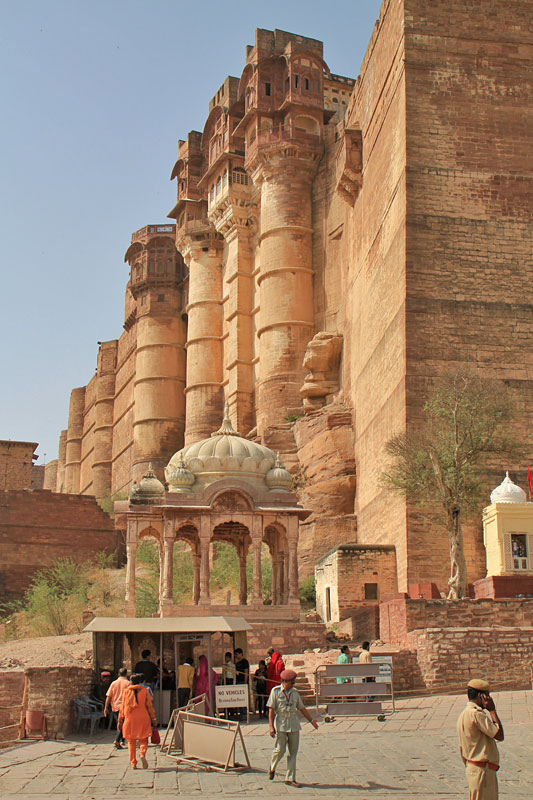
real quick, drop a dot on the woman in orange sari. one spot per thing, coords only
(137, 718)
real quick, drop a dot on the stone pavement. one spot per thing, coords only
(411, 755)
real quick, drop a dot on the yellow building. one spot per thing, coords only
(508, 531)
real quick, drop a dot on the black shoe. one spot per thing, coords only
(271, 775)
(118, 745)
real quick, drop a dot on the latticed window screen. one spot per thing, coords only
(239, 176)
(518, 551)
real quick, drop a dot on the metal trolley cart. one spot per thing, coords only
(355, 696)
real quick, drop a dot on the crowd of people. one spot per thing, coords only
(130, 701)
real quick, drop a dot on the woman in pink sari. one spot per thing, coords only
(201, 682)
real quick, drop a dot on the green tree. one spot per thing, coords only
(439, 466)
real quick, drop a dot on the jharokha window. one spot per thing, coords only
(519, 552)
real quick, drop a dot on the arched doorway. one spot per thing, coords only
(186, 565)
(148, 571)
(231, 542)
(275, 537)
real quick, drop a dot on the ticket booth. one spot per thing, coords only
(170, 639)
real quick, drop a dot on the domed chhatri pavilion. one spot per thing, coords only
(508, 532)
(221, 489)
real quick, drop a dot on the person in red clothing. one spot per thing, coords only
(274, 670)
(137, 718)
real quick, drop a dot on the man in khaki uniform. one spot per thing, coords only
(477, 731)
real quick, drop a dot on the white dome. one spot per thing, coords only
(278, 479)
(508, 492)
(150, 490)
(224, 454)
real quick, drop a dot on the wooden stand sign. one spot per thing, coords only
(205, 742)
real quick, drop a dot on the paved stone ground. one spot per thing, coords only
(411, 755)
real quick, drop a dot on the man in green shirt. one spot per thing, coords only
(283, 704)
(344, 658)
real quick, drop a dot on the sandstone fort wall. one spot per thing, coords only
(38, 527)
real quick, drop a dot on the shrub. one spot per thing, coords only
(307, 590)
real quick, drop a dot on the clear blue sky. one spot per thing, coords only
(95, 95)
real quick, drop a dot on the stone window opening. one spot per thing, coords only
(296, 81)
(160, 298)
(219, 186)
(267, 89)
(371, 591)
(519, 551)
(225, 179)
(306, 84)
(239, 176)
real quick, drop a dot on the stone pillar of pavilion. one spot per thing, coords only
(205, 541)
(257, 540)
(131, 553)
(292, 536)
(167, 572)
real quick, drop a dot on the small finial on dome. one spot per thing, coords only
(278, 478)
(226, 429)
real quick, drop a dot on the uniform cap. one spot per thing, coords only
(479, 684)
(105, 674)
(288, 675)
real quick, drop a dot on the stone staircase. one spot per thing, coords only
(305, 688)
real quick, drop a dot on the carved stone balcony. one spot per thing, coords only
(349, 165)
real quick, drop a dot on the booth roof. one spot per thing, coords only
(168, 625)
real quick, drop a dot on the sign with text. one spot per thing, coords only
(232, 696)
(385, 668)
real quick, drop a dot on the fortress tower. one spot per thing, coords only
(156, 279)
(376, 230)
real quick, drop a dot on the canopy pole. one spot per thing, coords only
(160, 675)
(209, 677)
(176, 665)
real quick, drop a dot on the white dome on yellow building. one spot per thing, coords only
(224, 454)
(508, 492)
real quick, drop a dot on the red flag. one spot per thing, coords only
(529, 482)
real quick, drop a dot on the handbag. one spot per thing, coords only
(155, 737)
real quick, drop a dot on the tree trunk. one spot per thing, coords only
(457, 581)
